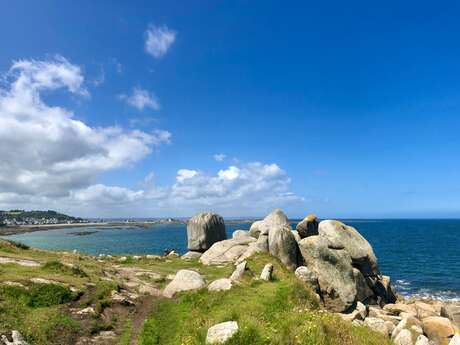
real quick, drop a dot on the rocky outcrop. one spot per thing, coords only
(341, 236)
(184, 280)
(227, 251)
(275, 219)
(203, 230)
(220, 333)
(282, 244)
(308, 226)
(334, 271)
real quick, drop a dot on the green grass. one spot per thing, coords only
(281, 312)
(57, 267)
(126, 335)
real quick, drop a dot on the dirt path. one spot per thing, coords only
(144, 307)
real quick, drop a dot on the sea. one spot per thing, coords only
(422, 257)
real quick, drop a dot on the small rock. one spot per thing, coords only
(426, 310)
(147, 289)
(184, 280)
(86, 311)
(153, 257)
(397, 308)
(439, 329)
(455, 340)
(377, 325)
(239, 271)
(17, 339)
(220, 285)
(172, 254)
(220, 333)
(404, 338)
(191, 255)
(121, 298)
(422, 340)
(267, 272)
(123, 259)
(240, 234)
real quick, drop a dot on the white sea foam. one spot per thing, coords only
(405, 289)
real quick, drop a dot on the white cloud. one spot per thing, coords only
(158, 40)
(46, 154)
(184, 174)
(107, 194)
(141, 99)
(51, 160)
(219, 157)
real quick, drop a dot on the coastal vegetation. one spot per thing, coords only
(44, 302)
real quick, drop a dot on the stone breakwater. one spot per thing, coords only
(339, 265)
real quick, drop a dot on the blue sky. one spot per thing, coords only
(343, 110)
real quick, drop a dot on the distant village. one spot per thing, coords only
(18, 218)
(22, 217)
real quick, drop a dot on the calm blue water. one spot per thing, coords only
(421, 256)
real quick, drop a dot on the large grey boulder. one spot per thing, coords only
(341, 236)
(308, 226)
(220, 333)
(184, 280)
(226, 251)
(334, 270)
(282, 244)
(203, 230)
(275, 219)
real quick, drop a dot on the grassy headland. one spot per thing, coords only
(45, 298)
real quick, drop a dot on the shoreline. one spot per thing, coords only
(22, 229)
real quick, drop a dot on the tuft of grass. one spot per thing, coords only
(55, 266)
(126, 335)
(38, 295)
(10, 246)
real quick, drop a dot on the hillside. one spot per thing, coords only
(70, 298)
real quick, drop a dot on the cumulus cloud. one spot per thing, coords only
(158, 40)
(141, 99)
(51, 160)
(219, 157)
(45, 152)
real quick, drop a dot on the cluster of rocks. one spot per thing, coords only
(336, 261)
(411, 322)
(186, 280)
(332, 257)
